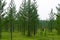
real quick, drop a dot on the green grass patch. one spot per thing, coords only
(19, 36)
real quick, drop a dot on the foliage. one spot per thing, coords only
(58, 19)
(51, 21)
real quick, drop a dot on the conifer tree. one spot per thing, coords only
(35, 18)
(29, 12)
(22, 17)
(51, 20)
(11, 15)
(2, 4)
(58, 19)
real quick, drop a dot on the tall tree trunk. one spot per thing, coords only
(10, 29)
(0, 32)
(0, 21)
(29, 17)
(24, 27)
(34, 29)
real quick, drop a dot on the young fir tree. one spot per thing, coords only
(32, 17)
(11, 15)
(51, 21)
(22, 18)
(58, 19)
(29, 21)
(6, 24)
(2, 4)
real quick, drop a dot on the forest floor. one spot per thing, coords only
(45, 36)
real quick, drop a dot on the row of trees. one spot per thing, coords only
(26, 19)
(2, 4)
(54, 20)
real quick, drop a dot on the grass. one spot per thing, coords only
(18, 36)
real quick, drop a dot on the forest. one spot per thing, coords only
(24, 24)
